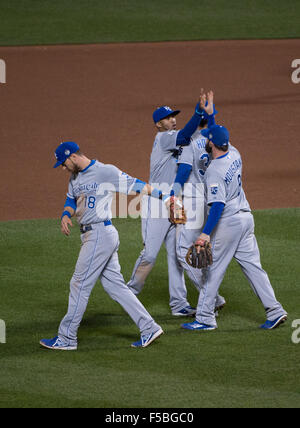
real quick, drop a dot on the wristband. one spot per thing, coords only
(199, 110)
(67, 213)
(156, 194)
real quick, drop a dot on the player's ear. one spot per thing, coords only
(73, 156)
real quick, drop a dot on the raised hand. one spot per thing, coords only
(209, 103)
(203, 99)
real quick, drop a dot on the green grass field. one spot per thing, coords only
(237, 365)
(35, 22)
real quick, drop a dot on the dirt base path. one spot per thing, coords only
(102, 96)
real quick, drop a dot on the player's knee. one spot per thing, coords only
(80, 290)
(75, 282)
(150, 260)
(149, 256)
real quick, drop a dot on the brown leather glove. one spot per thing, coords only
(177, 212)
(199, 256)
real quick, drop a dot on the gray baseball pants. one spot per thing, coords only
(185, 238)
(234, 238)
(157, 231)
(98, 259)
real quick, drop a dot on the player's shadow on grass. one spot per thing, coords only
(104, 320)
(108, 325)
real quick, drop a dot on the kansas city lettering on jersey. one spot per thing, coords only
(234, 167)
(88, 187)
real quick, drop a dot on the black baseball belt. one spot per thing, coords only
(87, 227)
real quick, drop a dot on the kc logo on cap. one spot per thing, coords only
(164, 112)
(64, 151)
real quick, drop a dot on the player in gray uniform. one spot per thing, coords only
(90, 195)
(195, 206)
(232, 223)
(194, 160)
(156, 228)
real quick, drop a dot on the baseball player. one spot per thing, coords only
(156, 228)
(193, 162)
(230, 228)
(90, 195)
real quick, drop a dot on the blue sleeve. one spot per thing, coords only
(182, 176)
(71, 203)
(184, 136)
(214, 216)
(211, 120)
(138, 186)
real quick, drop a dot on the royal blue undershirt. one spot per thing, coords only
(184, 135)
(71, 203)
(211, 121)
(215, 213)
(182, 176)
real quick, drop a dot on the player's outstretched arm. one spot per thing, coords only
(184, 136)
(175, 207)
(143, 188)
(146, 189)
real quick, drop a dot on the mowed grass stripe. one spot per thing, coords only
(29, 22)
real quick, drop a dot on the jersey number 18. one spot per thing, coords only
(90, 202)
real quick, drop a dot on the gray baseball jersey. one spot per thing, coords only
(163, 162)
(224, 183)
(93, 189)
(196, 156)
(233, 237)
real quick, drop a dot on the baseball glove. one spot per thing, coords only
(177, 212)
(199, 256)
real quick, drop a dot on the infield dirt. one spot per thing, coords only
(103, 96)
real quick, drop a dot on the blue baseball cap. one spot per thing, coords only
(163, 112)
(64, 151)
(218, 134)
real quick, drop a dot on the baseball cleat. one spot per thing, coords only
(270, 325)
(58, 344)
(147, 339)
(195, 325)
(188, 311)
